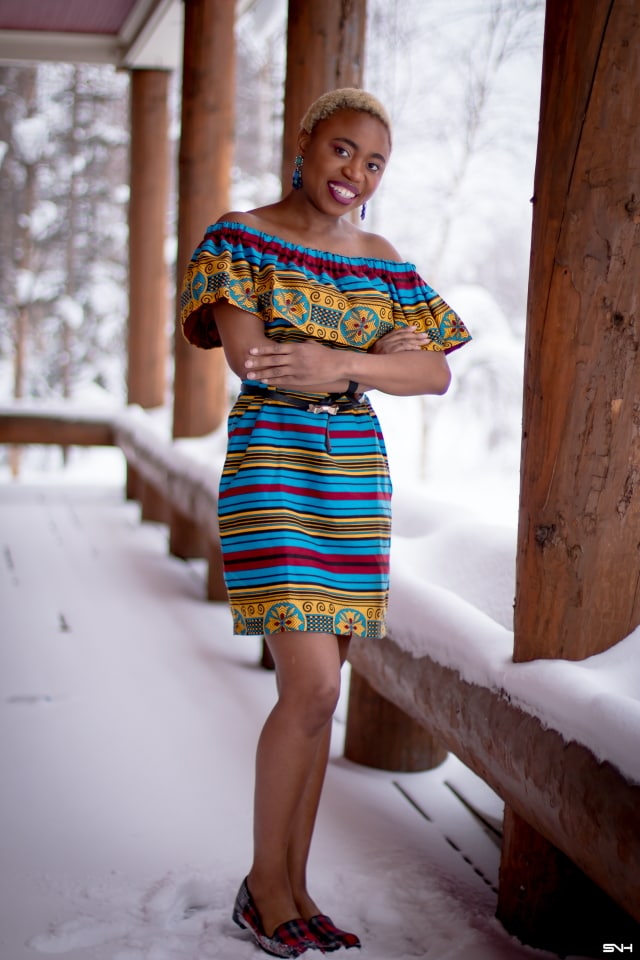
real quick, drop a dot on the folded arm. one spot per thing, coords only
(396, 365)
(245, 343)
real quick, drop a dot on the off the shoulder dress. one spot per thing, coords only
(304, 506)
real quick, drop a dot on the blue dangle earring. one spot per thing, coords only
(363, 210)
(296, 181)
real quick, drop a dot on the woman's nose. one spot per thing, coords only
(353, 170)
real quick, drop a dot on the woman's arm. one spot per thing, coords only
(243, 335)
(400, 370)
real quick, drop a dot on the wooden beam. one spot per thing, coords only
(582, 806)
(61, 431)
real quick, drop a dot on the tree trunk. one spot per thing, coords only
(24, 261)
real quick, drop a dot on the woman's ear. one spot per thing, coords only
(303, 141)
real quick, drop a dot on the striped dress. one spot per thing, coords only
(305, 498)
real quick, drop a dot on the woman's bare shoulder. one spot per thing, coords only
(265, 218)
(246, 218)
(378, 248)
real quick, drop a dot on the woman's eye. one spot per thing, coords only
(374, 167)
(342, 151)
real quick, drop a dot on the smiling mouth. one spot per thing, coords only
(342, 193)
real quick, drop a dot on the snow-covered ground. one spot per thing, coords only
(129, 720)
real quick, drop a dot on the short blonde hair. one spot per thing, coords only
(345, 98)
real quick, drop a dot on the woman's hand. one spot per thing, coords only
(294, 365)
(400, 340)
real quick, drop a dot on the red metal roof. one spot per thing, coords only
(66, 16)
(128, 33)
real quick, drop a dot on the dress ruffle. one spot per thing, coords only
(347, 302)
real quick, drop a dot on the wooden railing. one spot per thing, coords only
(587, 808)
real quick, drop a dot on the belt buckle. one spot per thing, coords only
(323, 408)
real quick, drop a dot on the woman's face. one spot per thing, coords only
(344, 159)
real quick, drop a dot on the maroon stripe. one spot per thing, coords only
(319, 494)
(260, 560)
(312, 260)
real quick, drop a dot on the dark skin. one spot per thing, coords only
(344, 159)
(346, 148)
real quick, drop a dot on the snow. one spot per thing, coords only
(30, 135)
(70, 311)
(129, 711)
(453, 586)
(452, 598)
(130, 716)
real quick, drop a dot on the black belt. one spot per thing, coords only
(335, 402)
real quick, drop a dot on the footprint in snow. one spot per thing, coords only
(176, 919)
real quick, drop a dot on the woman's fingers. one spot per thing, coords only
(301, 363)
(400, 340)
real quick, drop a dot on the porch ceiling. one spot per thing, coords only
(127, 33)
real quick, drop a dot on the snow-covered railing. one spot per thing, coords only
(59, 423)
(559, 741)
(170, 475)
(185, 472)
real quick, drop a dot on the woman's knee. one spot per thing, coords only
(313, 703)
(308, 673)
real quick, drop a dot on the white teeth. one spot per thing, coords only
(343, 192)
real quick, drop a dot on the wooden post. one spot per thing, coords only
(216, 588)
(381, 735)
(577, 566)
(325, 50)
(154, 506)
(148, 287)
(547, 901)
(578, 591)
(205, 158)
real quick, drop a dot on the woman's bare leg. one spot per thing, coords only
(304, 823)
(290, 763)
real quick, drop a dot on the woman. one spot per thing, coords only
(312, 312)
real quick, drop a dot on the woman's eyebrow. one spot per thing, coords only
(353, 144)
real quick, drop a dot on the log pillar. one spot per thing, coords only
(577, 563)
(382, 736)
(325, 50)
(216, 587)
(577, 566)
(204, 178)
(148, 341)
(148, 281)
(547, 901)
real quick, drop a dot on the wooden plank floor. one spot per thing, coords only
(129, 720)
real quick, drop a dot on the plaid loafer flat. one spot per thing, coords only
(290, 939)
(330, 936)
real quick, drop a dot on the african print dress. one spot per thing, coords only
(304, 506)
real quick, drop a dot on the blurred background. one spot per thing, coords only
(461, 80)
